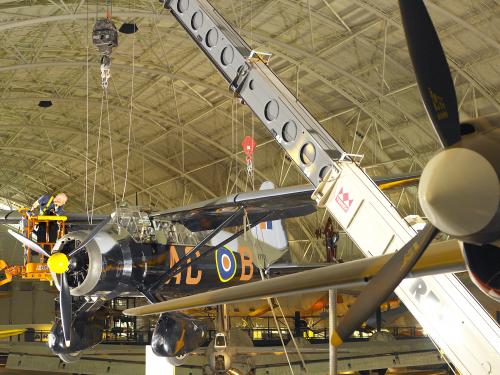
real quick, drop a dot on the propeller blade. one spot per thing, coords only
(65, 307)
(91, 236)
(383, 284)
(432, 71)
(28, 243)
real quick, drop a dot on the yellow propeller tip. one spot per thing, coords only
(58, 263)
(335, 339)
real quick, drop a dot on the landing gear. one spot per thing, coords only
(70, 357)
(177, 360)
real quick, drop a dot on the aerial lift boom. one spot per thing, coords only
(444, 307)
(31, 268)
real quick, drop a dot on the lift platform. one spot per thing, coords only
(457, 323)
(34, 266)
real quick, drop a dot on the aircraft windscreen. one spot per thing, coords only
(220, 341)
(179, 234)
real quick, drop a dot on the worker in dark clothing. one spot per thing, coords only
(49, 205)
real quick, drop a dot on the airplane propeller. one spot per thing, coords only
(432, 71)
(91, 235)
(438, 93)
(59, 264)
(383, 284)
(28, 243)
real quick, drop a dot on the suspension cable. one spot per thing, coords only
(97, 159)
(130, 116)
(86, 194)
(174, 91)
(113, 180)
(257, 244)
(291, 335)
(278, 326)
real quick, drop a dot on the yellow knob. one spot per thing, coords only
(58, 263)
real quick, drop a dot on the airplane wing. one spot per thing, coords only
(14, 216)
(280, 203)
(439, 258)
(397, 181)
(274, 204)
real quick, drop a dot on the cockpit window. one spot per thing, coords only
(179, 234)
(220, 341)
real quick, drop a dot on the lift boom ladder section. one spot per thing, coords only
(443, 306)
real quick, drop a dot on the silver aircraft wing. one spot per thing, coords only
(10, 216)
(280, 203)
(440, 257)
(14, 216)
(272, 204)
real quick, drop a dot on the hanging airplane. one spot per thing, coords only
(467, 209)
(166, 254)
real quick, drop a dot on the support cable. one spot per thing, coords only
(257, 244)
(86, 194)
(291, 335)
(278, 327)
(130, 118)
(174, 92)
(97, 159)
(113, 180)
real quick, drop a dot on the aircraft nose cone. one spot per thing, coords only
(58, 263)
(459, 192)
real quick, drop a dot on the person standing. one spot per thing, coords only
(48, 205)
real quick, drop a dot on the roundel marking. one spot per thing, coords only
(226, 264)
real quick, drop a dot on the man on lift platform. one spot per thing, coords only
(49, 205)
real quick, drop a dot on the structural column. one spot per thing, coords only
(332, 324)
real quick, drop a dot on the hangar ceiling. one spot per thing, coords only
(169, 132)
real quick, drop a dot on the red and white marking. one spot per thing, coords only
(343, 200)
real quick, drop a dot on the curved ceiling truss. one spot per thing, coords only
(346, 60)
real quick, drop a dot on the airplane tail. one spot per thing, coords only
(270, 241)
(266, 241)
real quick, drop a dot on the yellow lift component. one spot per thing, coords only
(31, 269)
(11, 332)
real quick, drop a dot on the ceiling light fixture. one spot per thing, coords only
(128, 28)
(45, 103)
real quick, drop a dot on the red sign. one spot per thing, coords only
(343, 200)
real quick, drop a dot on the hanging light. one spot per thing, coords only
(45, 103)
(128, 28)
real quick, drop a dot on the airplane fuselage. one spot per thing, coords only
(114, 266)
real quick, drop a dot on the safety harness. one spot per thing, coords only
(44, 210)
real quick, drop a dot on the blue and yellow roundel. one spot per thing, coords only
(226, 264)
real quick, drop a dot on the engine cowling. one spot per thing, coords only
(112, 264)
(483, 263)
(177, 334)
(86, 331)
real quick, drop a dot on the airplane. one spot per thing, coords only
(164, 254)
(458, 192)
(159, 255)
